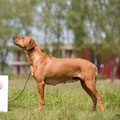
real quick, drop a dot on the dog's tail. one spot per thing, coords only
(96, 74)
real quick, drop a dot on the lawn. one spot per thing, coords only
(63, 102)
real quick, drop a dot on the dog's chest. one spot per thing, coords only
(32, 71)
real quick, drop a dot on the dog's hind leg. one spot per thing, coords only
(90, 88)
(88, 91)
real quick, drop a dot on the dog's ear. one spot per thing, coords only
(31, 44)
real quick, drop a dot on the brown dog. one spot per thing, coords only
(50, 70)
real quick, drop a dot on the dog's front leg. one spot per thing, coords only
(41, 87)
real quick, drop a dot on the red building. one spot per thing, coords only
(105, 67)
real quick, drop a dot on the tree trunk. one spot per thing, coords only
(3, 56)
(114, 69)
(2, 70)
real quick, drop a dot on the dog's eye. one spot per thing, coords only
(22, 38)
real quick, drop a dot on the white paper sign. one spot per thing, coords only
(3, 93)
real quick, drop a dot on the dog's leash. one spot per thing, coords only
(21, 91)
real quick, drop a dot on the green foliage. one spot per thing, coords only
(75, 21)
(52, 22)
(16, 18)
(102, 76)
(95, 22)
(10, 74)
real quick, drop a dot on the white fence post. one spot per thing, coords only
(3, 93)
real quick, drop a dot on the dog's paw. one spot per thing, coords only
(37, 109)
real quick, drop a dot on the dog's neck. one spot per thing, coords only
(34, 54)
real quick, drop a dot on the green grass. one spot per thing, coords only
(63, 102)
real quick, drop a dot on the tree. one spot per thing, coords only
(58, 23)
(52, 22)
(16, 18)
(44, 20)
(76, 17)
(111, 29)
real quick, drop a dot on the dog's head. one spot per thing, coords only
(27, 43)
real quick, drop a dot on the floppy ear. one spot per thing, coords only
(31, 44)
